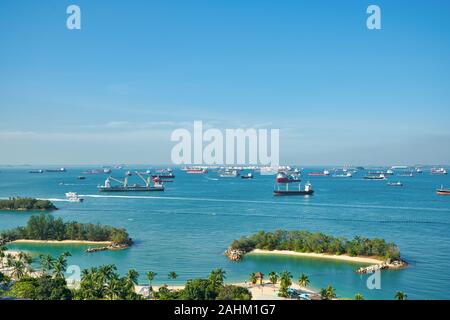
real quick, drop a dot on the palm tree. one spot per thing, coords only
(60, 265)
(285, 283)
(358, 296)
(107, 272)
(253, 278)
(217, 277)
(328, 293)
(150, 276)
(132, 278)
(400, 295)
(303, 281)
(114, 288)
(2, 255)
(47, 263)
(273, 277)
(172, 275)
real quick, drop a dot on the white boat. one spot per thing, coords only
(73, 197)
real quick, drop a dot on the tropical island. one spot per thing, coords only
(26, 204)
(381, 254)
(47, 229)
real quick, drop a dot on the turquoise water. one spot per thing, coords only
(186, 228)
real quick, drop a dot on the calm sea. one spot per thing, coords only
(186, 228)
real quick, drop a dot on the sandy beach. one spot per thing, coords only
(267, 291)
(368, 260)
(63, 242)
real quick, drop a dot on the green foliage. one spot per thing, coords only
(400, 295)
(304, 241)
(42, 288)
(26, 204)
(328, 293)
(285, 283)
(46, 227)
(231, 292)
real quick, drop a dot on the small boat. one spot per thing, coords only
(227, 173)
(81, 178)
(247, 176)
(380, 176)
(389, 172)
(307, 190)
(36, 171)
(73, 197)
(196, 170)
(395, 184)
(107, 170)
(443, 192)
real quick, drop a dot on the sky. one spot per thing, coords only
(114, 91)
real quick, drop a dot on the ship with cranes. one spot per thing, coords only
(123, 186)
(287, 178)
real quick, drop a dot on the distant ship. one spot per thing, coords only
(36, 171)
(56, 170)
(443, 192)
(196, 170)
(324, 173)
(227, 173)
(125, 187)
(380, 176)
(287, 177)
(395, 184)
(307, 190)
(247, 176)
(438, 171)
(343, 175)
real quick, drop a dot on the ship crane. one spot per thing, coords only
(146, 181)
(124, 182)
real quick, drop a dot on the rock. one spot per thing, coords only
(109, 247)
(234, 254)
(388, 264)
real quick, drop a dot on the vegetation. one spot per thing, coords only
(400, 295)
(46, 227)
(273, 277)
(358, 296)
(304, 241)
(22, 204)
(328, 293)
(303, 281)
(285, 283)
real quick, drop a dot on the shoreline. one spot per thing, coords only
(346, 258)
(87, 242)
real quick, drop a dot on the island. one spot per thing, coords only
(377, 252)
(26, 204)
(48, 229)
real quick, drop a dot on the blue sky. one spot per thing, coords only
(113, 91)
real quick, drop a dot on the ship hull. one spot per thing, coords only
(130, 189)
(443, 192)
(292, 192)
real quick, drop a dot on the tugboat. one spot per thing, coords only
(443, 192)
(125, 187)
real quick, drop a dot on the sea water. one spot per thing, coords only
(187, 227)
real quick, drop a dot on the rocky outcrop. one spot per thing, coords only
(388, 264)
(108, 247)
(234, 254)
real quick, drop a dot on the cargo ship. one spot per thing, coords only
(287, 177)
(56, 170)
(125, 187)
(380, 176)
(227, 173)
